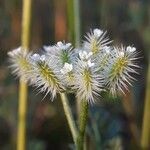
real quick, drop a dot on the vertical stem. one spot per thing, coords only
(82, 124)
(77, 34)
(145, 138)
(26, 21)
(73, 15)
(70, 17)
(21, 141)
(69, 116)
(77, 22)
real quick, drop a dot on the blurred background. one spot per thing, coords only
(115, 123)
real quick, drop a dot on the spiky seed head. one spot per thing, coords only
(20, 62)
(120, 67)
(88, 82)
(88, 70)
(95, 41)
(62, 53)
(47, 78)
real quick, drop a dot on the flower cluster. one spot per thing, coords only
(88, 70)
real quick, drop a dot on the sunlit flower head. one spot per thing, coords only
(88, 82)
(47, 75)
(95, 41)
(20, 62)
(120, 68)
(61, 52)
(87, 70)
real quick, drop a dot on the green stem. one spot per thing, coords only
(145, 139)
(77, 22)
(69, 116)
(82, 124)
(77, 32)
(70, 18)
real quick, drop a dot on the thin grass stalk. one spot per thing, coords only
(70, 18)
(25, 38)
(145, 136)
(63, 96)
(77, 23)
(69, 116)
(73, 15)
(77, 33)
(83, 118)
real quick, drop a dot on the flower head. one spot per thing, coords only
(88, 82)
(47, 77)
(20, 62)
(119, 69)
(95, 41)
(87, 70)
(61, 53)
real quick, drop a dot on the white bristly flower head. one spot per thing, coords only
(119, 69)
(46, 74)
(20, 62)
(88, 82)
(95, 41)
(88, 70)
(61, 53)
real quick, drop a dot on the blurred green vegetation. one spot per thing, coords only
(113, 124)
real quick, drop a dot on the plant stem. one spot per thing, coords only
(77, 22)
(21, 141)
(82, 124)
(145, 138)
(73, 16)
(70, 18)
(69, 116)
(77, 32)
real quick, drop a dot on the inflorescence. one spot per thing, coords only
(88, 70)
